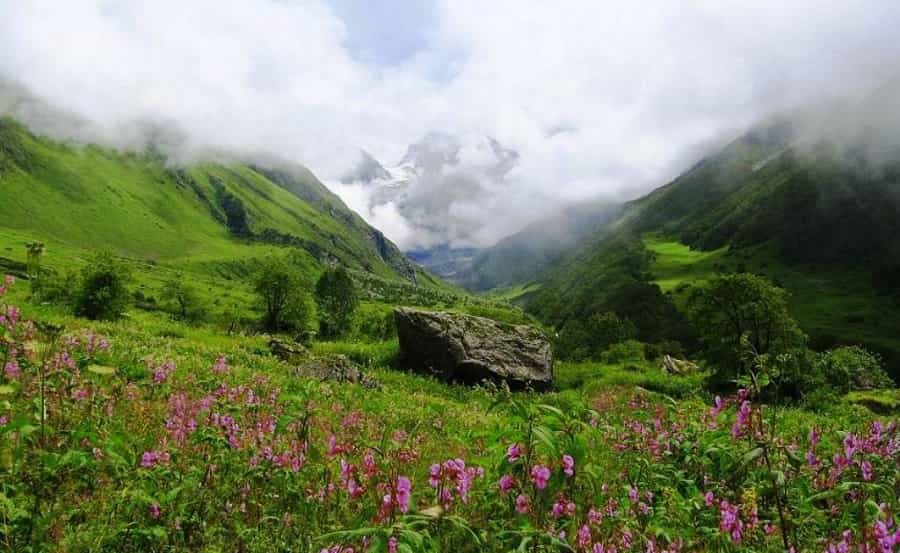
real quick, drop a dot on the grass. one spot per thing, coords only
(832, 306)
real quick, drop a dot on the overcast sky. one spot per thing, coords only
(598, 98)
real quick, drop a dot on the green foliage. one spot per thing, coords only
(622, 352)
(284, 296)
(102, 293)
(579, 340)
(184, 299)
(852, 368)
(742, 308)
(337, 300)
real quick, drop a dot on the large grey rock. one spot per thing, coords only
(468, 349)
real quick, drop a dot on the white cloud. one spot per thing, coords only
(598, 98)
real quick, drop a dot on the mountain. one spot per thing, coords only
(439, 188)
(527, 254)
(140, 205)
(810, 201)
(444, 261)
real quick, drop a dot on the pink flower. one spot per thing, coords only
(404, 486)
(540, 475)
(220, 366)
(522, 504)
(568, 465)
(633, 494)
(79, 394)
(392, 545)
(514, 452)
(709, 498)
(584, 536)
(12, 369)
(506, 483)
(866, 468)
(154, 510)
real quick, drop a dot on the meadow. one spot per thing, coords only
(148, 434)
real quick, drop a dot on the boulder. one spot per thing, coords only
(671, 365)
(335, 368)
(469, 349)
(289, 352)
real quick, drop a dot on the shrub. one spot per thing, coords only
(853, 368)
(183, 299)
(103, 293)
(337, 300)
(629, 350)
(579, 340)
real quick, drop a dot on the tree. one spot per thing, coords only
(337, 300)
(184, 297)
(103, 292)
(745, 306)
(283, 294)
(579, 340)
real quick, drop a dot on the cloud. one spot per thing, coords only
(599, 99)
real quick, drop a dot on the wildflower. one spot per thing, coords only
(584, 536)
(506, 483)
(731, 522)
(866, 468)
(514, 452)
(221, 365)
(79, 394)
(154, 510)
(743, 420)
(12, 369)
(522, 504)
(633, 494)
(97, 453)
(568, 465)
(392, 545)
(540, 475)
(709, 498)
(403, 493)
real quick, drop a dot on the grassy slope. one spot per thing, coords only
(831, 305)
(90, 198)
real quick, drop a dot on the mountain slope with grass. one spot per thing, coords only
(816, 215)
(137, 205)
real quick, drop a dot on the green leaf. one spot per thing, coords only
(6, 389)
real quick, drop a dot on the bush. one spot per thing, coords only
(853, 368)
(183, 299)
(103, 293)
(629, 350)
(57, 288)
(579, 340)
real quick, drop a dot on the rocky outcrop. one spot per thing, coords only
(671, 365)
(289, 352)
(335, 368)
(468, 349)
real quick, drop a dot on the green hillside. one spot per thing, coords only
(138, 206)
(820, 221)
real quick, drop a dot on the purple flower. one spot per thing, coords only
(540, 475)
(514, 452)
(522, 504)
(403, 493)
(506, 483)
(154, 510)
(709, 498)
(568, 465)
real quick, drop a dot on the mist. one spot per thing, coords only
(598, 100)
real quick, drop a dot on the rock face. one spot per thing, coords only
(468, 349)
(289, 352)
